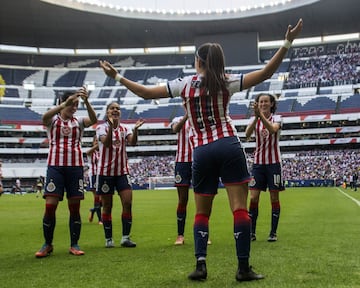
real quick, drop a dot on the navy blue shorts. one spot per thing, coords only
(64, 178)
(106, 185)
(222, 159)
(183, 174)
(267, 176)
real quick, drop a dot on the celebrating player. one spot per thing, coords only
(183, 160)
(65, 166)
(93, 158)
(266, 169)
(217, 149)
(113, 172)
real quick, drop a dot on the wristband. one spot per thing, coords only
(118, 77)
(286, 44)
(62, 105)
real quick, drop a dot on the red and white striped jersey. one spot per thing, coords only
(185, 141)
(113, 160)
(93, 160)
(267, 149)
(208, 115)
(65, 141)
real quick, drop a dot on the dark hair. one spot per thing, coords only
(108, 106)
(212, 59)
(112, 102)
(272, 100)
(66, 95)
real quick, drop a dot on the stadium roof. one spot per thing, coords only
(36, 23)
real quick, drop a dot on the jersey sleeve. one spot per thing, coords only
(235, 83)
(174, 87)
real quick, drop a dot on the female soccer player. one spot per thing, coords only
(183, 160)
(217, 152)
(93, 158)
(65, 166)
(113, 172)
(266, 170)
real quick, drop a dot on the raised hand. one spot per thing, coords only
(292, 33)
(83, 93)
(108, 69)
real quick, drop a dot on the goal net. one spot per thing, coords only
(164, 182)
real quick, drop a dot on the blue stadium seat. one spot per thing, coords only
(162, 73)
(238, 110)
(11, 92)
(321, 104)
(18, 114)
(350, 104)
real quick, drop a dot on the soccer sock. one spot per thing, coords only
(242, 226)
(275, 216)
(253, 213)
(126, 219)
(201, 235)
(107, 223)
(181, 218)
(98, 213)
(97, 206)
(74, 222)
(49, 222)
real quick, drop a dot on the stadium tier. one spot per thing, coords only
(317, 114)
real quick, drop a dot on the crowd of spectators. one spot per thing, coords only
(334, 165)
(303, 165)
(322, 164)
(329, 70)
(141, 169)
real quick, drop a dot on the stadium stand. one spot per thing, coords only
(316, 116)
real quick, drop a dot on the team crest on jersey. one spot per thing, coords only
(105, 188)
(81, 186)
(178, 178)
(117, 143)
(50, 187)
(264, 133)
(65, 131)
(252, 182)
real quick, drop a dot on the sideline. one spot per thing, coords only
(352, 198)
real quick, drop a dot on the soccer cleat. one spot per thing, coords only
(253, 237)
(127, 243)
(200, 273)
(109, 243)
(91, 216)
(209, 242)
(179, 240)
(272, 238)
(100, 223)
(75, 250)
(247, 275)
(44, 251)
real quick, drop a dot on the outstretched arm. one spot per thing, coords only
(142, 91)
(256, 77)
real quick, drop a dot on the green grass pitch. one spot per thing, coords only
(318, 246)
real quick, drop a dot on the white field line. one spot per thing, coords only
(347, 195)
